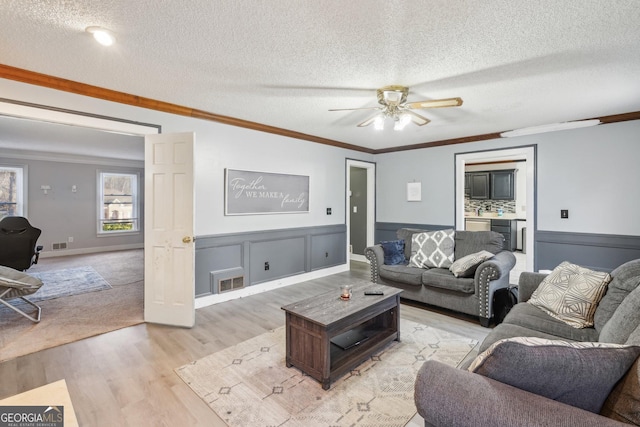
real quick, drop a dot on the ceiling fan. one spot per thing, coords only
(393, 101)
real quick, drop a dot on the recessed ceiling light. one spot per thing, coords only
(102, 35)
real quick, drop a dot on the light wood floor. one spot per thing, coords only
(126, 377)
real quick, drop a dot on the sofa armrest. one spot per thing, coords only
(528, 283)
(447, 396)
(375, 255)
(490, 276)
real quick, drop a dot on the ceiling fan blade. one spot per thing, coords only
(353, 109)
(367, 122)
(435, 103)
(320, 89)
(417, 118)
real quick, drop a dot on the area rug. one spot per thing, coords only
(68, 281)
(249, 385)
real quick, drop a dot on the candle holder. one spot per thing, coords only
(345, 292)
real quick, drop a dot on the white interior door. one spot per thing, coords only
(169, 290)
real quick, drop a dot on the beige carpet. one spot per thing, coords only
(72, 318)
(249, 384)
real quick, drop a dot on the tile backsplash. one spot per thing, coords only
(508, 206)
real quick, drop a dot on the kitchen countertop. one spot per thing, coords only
(493, 215)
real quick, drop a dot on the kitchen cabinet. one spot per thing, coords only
(508, 228)
(479, 185)
(467, 184)
(502, 184)
(494, 185)
(477, 224)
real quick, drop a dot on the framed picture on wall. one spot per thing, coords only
(414, 191)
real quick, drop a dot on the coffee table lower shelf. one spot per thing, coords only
(343, 361)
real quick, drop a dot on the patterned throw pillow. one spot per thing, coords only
(571, 293)
(580, 374)
(393, 252)
(467, 265)
(433, 249)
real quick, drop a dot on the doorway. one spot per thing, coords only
(360, 203)
(524, 153)
(74, 133)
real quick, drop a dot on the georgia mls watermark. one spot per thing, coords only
(31, 416)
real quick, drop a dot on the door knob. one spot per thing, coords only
(186, 239)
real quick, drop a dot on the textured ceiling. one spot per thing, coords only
(515, 63)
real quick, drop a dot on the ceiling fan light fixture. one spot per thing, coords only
(101, 35)
(402, 121)
(378, 123)
(393, 104)
(392, 96)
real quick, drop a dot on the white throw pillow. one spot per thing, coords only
(433, 249)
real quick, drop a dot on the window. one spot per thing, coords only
(12, 191)
(117, 203)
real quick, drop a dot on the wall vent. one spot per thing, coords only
(57, 246)
(231, 283)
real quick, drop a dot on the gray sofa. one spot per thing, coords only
(447, 396)
(438, 286)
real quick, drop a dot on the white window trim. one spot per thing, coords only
(99, 204)
(22, 181)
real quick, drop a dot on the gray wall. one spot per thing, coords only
(61, 213)
(592, 172)
(287, 252)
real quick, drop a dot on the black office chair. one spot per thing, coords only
(18, 238)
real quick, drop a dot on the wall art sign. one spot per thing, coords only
(251, 193)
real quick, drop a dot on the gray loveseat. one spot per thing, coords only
(447, 396)
(438, 286)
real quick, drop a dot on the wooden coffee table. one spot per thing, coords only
(327, 336)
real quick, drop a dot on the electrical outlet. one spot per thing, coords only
(328, 211)
(70, 239)
(564, 213)
(326, 254)
(266, 266)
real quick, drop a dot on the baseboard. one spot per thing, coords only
(268, 286)
(94, 250)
